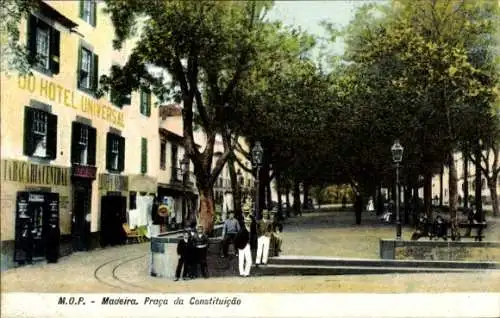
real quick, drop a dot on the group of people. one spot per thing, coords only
(192, 252)
(251, 235)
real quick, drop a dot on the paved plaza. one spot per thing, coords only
(125, 268)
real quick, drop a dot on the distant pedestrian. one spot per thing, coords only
(183, 250)
(242, 243)
(201, 245)
(230, 228)
(370, 207)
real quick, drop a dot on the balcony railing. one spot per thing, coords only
(177, 177)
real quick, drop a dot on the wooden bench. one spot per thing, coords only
(133, 235)
(469, 226)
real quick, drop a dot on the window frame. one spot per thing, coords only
(43, 62)
(163, 154)
(91, 19)
(38, 125)
(92, 71)
(145, 102)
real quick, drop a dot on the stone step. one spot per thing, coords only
(306, 270)
(351, 262)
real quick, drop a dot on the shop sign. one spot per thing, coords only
(87, 172)
(31, 173)
(113, 182)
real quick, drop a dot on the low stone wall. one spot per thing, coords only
(440, 250)
(164, 258)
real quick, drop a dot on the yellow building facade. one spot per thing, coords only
(71, 162)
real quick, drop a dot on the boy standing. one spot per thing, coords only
(263, 240)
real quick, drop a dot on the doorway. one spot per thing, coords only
(113, 216)
(80, 225)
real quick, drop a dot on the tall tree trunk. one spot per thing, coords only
(407, 197)
(207, 209)
(262, 188)
(466, 179)
(296, 198)
(269, 198)
(287, 200)
(305, 204)
(358, 207)
(492, 182)
(428, 193)
(278, 190)
(453, 194)
(380, 201)
(478, 181)
(441, 186)
(416, 204)
(235, 186)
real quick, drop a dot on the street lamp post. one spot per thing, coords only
(397, 157)
(257, 153)
(184, 164)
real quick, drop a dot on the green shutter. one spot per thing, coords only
(144, 155)
(109, 139)
(81, 9)
(141, 101)
(121, 157)
(28, 132)
(32, 24)
(148, 109)
(51, 136)
(93, 17)
(54, 51)
(79, 67)
(94, 79)
(91, 146)
(75, 137)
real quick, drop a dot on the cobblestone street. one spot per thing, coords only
(125, 268)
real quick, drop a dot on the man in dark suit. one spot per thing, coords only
(183, 250)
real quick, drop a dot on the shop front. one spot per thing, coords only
(113, 189)
(182, 204)
(34, 211)
(82, 177)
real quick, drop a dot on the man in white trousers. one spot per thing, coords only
(242, 243)
(264, 230)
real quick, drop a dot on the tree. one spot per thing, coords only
(412, 69)
(206, 47)
(14, 55)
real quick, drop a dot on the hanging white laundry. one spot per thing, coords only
(132, 218)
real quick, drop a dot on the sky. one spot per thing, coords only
(308, 15)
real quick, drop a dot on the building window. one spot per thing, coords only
(83, 144)
(145, 102)
(173, 162)
(88, 11)
(144, 155)
(163, 154)
(115, 152)
(43, 46)
(87, 70)
(40, 133)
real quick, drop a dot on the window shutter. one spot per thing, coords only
(75, 137)
(144, 155)
(109, 139)
(32, 24)
(28, 148)
(95, 73)
(127, 98)
(93, 17)
(141, 101)
(81, 8)
(148, 109)
(79, 68)
(52, 136)
(91, 150)
(54, 51)
(121, 157)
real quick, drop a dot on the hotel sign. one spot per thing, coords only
(87, 172)
(69, 98)
(30, 173)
